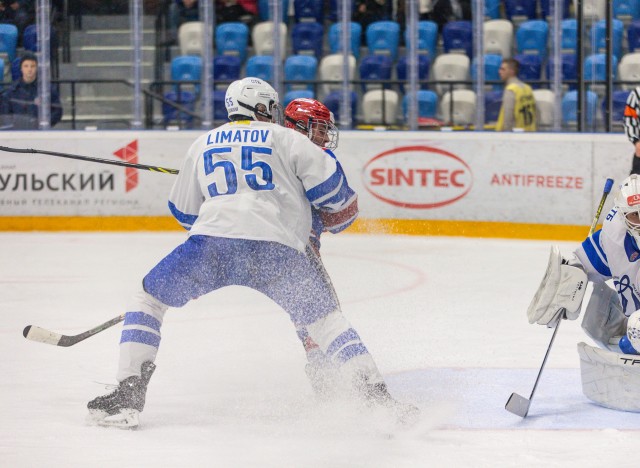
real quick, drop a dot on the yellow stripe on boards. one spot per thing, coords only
(89, 223)
(420, 227)
(363, 226)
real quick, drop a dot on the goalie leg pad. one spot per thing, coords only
(609, 379)
(561, 291)
(603, 318)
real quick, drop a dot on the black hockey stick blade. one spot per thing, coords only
(35, 333)
(518, 405)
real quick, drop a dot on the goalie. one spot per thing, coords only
(610, 372)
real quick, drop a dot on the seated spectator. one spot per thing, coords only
(180, 12)
(370, 11)
(243, 11)
(20, 102)
(443, 11)
(21, 13)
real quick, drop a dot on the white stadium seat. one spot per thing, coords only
(450, 67)
(262, 37)
(372, 105)
(190, 38)
(464, 107)
(498, 37)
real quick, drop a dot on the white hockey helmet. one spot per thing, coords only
(252, 97)
(628, 204)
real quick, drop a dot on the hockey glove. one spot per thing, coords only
(560, 293)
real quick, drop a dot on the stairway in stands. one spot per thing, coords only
(101, 50)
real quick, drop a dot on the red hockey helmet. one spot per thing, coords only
(313, 119)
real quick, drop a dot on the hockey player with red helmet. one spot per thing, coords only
(314, 120)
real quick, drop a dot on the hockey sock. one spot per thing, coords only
(140, 337)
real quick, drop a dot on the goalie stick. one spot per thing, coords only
(34, 333)
(517, 404)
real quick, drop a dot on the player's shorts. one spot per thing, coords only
(204, 263)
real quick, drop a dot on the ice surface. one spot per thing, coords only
(444, 318)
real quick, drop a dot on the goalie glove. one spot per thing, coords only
(560, 293)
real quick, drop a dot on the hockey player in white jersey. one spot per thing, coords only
(610, 376)
(245, 192)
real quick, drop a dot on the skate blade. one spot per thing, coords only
(125, 419)
(95, 416)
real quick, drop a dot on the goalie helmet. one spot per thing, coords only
(313, 119)
(628, 204)
(252, 98)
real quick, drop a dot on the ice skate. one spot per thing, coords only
(121, 408)
(322, 374)
(377, 396)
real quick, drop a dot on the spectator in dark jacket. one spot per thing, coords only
(19, 104)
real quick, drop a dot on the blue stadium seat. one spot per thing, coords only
(427, 104)
(595, 67)
(531, 37)
(569, 107)
(260, 66)
(520, 10)
(300, 67)
(335, 34)
(618, 103)
(333, 100)
(8, 40)
(569, 34)
(545, 7)
(598, 33)
(457, 36)
(492, 64)
(297, 94)
(427, 38)
(219, 108)
(226, 68)
(308, 10)
(626, 10)
(492, 105)
(492, 9)
(186, 68)
(30, 38)
(633, 35)
(424, 63)
(170, 115)
(375, 68)
(569, 68)
(307, 38)
(232, 39)
(383, 37)
(530, 69)
(264, 13)
(1, 73)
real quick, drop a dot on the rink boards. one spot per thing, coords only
(536, 186)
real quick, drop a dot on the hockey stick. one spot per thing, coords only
(114, 162)
(517, 404)
(34, 333)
